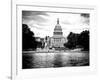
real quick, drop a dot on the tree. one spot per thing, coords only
(72, 40)
(83, 40)
(28, 39)
(78, 40)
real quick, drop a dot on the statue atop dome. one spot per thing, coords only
(57, 20)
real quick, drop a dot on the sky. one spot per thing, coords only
(43, 23)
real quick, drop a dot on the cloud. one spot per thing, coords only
(43, 23)
(85, 15)
(66, 22)
(27, 16)
(85, 18)
(34, 13)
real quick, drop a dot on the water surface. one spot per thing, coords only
(61, 59)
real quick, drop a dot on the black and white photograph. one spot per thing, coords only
(55, 39)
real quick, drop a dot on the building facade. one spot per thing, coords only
(57, 40)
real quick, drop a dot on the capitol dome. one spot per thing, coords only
(57, 40)
(58, 29)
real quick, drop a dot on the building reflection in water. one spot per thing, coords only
(47, 60)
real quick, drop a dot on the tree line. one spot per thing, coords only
(28, 39)
(78, 40)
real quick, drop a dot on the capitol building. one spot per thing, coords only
(57, 40)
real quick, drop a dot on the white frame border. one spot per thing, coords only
(14, 34)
